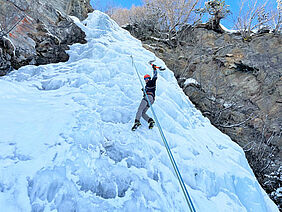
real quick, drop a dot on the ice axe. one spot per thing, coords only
(151, 62)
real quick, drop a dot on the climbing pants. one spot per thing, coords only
(143, 107)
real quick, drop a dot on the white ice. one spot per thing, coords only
(66, 143)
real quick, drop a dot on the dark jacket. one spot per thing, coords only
(150, 87)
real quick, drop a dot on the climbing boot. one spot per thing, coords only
(151, 123)
(136, 125)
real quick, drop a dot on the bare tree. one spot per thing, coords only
(252, 15)
(218, 10)
(277, 19)
(174, 13)
(120, 15)
(261, 148)
(164, 17)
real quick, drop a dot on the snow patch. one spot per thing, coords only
(228, 30)
(191, 81)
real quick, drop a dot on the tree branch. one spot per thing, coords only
(238, 124)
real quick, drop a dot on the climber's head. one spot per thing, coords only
(147, 77)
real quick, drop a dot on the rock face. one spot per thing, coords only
(38, 32)
(237, 85)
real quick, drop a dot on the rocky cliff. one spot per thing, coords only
(237, 84)
(37, 31)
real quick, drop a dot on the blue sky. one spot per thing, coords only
(227, 22)
(102, 4)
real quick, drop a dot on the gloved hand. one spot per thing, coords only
(155, 67)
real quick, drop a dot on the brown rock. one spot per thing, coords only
(40, 30)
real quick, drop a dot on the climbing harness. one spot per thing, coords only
(183, 187)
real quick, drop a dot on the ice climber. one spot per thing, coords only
(150, 90)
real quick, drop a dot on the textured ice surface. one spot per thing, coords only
(66, 143)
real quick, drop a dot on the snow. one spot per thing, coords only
(278, 192)
(228, 30)
(191, 81)
(66, 143)
(228, 104)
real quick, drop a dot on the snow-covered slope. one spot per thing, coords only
(66, 143)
